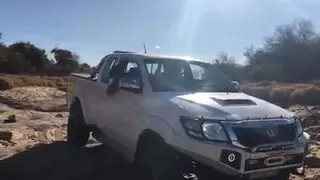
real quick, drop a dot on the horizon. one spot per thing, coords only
(200, 29)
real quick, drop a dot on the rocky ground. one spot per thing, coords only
(33, 132)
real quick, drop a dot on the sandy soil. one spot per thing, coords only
(33, 132)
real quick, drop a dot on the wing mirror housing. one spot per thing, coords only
(236, 84)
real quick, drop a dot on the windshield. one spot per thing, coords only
(181, 75)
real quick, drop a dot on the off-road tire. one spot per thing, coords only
(283, 175)
(155, 160)
(77, 130)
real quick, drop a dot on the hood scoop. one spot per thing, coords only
(234, 102)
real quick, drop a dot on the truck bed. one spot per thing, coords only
(77, 81)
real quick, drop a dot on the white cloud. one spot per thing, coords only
(157, 47)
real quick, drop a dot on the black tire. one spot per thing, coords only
(77, 130)
(283, 175)
(155, 160)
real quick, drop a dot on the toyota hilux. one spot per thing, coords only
(172, 115)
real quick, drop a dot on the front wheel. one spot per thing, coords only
(283, 175)
(77, 130)
(158, 161)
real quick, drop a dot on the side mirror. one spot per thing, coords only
(236, 84)
(130, 84)
(93, 77)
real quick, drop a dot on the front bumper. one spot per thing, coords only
(235, 161)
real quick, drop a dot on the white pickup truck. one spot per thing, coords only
(174, 115)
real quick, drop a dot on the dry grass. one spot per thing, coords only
(306, 96)
(11, 81)
(32, 93)
(285, 94)
(281, 95)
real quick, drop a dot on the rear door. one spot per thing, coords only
(100, 102)
(87, 89)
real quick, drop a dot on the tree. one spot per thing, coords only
(223, 58)
(85, 68)
(28, 55)
(229, 66)
(25, 57)
(75, 57)
(3, 55)
(65, 59)
(290, 54)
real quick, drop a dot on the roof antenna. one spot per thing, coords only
(145, 49)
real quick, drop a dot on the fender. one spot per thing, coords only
(74, 91)
(156, 125)
(169, 130)
(160, 126)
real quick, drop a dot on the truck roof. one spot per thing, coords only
(148, 56)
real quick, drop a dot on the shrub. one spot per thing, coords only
(315, 82)
(306, 96)
(6, 84)
(281, 95)
(11, 81)
(259, 92)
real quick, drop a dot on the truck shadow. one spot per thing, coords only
(60, 161)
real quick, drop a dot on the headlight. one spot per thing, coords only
(199, 129)
(302, 136)
(214, 131)
(299, 129)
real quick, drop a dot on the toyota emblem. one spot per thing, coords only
(272, 131)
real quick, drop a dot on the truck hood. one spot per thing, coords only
(228, 106)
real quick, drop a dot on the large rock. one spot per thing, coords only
(314, 132)
(309, 116)
(5, 135)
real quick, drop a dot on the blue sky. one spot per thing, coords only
(199, 28)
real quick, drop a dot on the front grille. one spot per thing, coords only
(252, 137)
(278, 147)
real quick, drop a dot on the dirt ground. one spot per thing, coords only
(32, 141)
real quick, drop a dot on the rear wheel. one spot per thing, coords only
(77, 132)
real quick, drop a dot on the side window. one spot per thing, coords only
(153, 68)
(198, 72)
(106, 70)
(132, 70)
(96, 71)
(131, 65)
